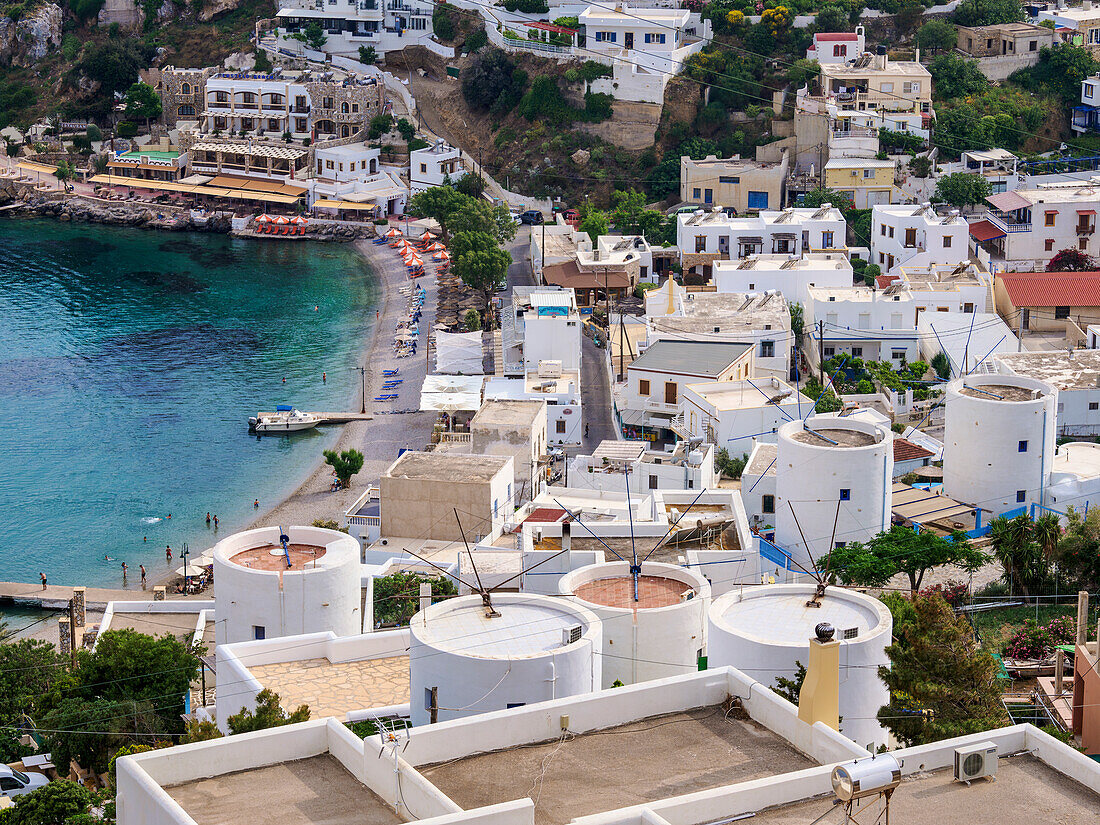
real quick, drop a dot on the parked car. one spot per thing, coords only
(555, 452)
(531, 216)
(516, 219)
(17, 783)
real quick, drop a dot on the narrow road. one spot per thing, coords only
(595, 396)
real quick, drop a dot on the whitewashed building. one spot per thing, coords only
(349, 24)
(561, 393)
(541, 332)
(916, 236)
(731, 413)
(682, 469)
(1076, 376)
(790, 275)
(434, 165)
(837, 47)
(875, 325)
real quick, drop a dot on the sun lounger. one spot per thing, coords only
(394, 371)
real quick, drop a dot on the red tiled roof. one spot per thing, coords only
(549, 27)
(1052, 289)
(985, 231)
(905, 450)
(830, 36)
(883, 281)
(546, 515)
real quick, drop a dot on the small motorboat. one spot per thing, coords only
(284, 420)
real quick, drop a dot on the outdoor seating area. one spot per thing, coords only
(280, 225)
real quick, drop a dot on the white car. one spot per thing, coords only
(555, 452)
(17, 783)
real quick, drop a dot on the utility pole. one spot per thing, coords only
(1019, 330)
(821, 350)
(363, 376)
(433, 707)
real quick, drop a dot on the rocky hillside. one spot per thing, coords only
(27, 38)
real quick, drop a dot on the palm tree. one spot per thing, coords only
(1047, 531)
(1020, 546)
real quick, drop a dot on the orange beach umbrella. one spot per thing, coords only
(393, 233)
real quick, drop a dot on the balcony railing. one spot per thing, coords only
(1006, 224)
(1086, 230)
(660, 406)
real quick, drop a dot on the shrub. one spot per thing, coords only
(1035, 641)
(379, 125)
(527, 6)
(493, 83)
(126, 129)
(953, 592)
(476, 41)
(262, 61)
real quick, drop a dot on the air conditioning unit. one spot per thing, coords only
(570, 635)
(975, 762)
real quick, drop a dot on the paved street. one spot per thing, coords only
(595, 395)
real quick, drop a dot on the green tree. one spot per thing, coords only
(131, 666)
(937, 36)
(85, 10)
(472, 185)
(345, 464)
(440, 203)
(397, 596)
(66, 171)
(941, 683)
(1016, 546)
(472, 320)
(962, 189)
(482, 216)
(480, 263)
(493, 83)
(798, 322)
(802, 71)
(379, 125)
(832, 18)
(790, 689)
(1071, 259)
(729, 466)
(368, 55)
(1059, 70)
(30, 669)
(268, 713)
(941, 365)
(954, 76)
(315, 36)
(197, 731)
(53, 804)
(1078, 550)
(900, 550)
(987, 12)
(406, 129)
(143, 102)
(631, 216)
(115, 63)
(261, 62)
(595, 223)
(921, 166)
(91, 730)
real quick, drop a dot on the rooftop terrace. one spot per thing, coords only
(272, 557)
(1027, 791)
(631, 764)
(307, 791)
(334, 688)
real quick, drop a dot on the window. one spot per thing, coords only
(868, 173)
(989, 43)
(259, 631)
(897, 355)
(946, 241)
(1033, 45)
(767, 504)
(1021, 496)
(840, 545)
(654, 38)
(700, 243)
(696, 193)
(8, 783)
(186, 110)
(1094, 405)
(708, 196)
(185, 89)
(221, 97)
(326, 103)
(758, 200)
(840, 50)
(845, 494)
(1061, 312)
(829, 352)
(345, 108)
(1048, 244)
(1083, 244)
(272, 124)
(882, 229)
(729, 179)
(767, 349)
(851, 632)
(890, 231)
(968, 307)
(1048, 218)
(653, 482)
(826, 240)
(887, 87)
(423, 168)
(496, 508)
(1022, 447)
(1088, 90)
(606, 37)
(559, 426)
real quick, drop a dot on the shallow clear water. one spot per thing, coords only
(129, 363)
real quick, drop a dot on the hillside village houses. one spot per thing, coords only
(865, 180)
(733, 183)
(787, 274)
(837, 47)
(873, 91)
(916, 236)
(565, 257)
(1004, 48)
(348, 24)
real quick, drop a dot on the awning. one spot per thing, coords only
(1086, 211)
(749, 239)
(329, 204)
(1008, 201)
(985, 231)
(36, 167)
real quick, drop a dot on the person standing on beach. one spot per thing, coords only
(43, 577)
(142, 568)
(215, 522)
(324, 377)
(168, 553)
(256, 504)
(207, 518)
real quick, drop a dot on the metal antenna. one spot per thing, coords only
(673, 525)
(486, 600)
(577, 520)
(819, 592)
(806, 544)
(635, 568)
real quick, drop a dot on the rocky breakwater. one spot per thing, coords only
(28, 38)
(84, 210)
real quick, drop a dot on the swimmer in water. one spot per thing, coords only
(169, 515)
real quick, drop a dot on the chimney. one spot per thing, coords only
(566, 536)
(819, 699)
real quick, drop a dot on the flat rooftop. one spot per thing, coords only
(181, 625)
(304, 792)
(1079, 371)
(763, 460)
(989, 392)
(618, 591)
(743, 395)
(656, 758)
(843, 438)
(272, 557)
(705, 358)
(334, 688)
(1026, 791)
(507, 413)
(454, 467)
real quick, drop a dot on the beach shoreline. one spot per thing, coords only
(380, 438)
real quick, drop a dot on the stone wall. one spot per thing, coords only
(181, 87)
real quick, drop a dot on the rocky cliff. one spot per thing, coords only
(25, 41)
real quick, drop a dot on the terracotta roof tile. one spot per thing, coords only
(1052, 289)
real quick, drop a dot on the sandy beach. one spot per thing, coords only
(379, 439)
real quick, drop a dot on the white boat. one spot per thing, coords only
(283, 420)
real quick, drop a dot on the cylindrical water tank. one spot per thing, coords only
(464, 661)
(661, 633)
(259, 597)
(866, 777)
(999, 440)
(833, 478)
(765, 631)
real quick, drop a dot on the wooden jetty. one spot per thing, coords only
(333, 417)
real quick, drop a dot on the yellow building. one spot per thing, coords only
(733, 182)
(866, 181)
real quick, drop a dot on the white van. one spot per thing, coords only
(17, 783)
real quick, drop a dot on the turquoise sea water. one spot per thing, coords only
(129, 363)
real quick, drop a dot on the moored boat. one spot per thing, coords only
(285, 419)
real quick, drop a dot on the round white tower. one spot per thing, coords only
(999, 440)
(766, 630)
(661, 633)
(259, 597)
(466, 662)
(826, 462)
